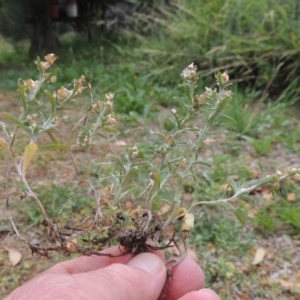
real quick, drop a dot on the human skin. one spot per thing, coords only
(124, 277)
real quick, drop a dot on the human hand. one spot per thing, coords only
(102, 277)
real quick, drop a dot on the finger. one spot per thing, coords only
(204, 294)
(90, 263)
(142, 278)
(185, 277)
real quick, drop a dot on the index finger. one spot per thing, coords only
(94, 262)
(187, 276)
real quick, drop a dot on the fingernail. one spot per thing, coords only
(147, 262)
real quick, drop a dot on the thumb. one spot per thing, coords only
(142, 278)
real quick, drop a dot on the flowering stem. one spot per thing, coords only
(244, 190)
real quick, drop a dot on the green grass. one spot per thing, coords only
(282, 215)
(257, 43)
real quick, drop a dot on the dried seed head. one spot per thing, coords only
(33, 120)
(109, 104)
(94, 107)
(111, 120)
(53, 79)
(200, 100)
(30, 85)
(190, 73)
(209, 91)
(183, 163)
(187, 224)
(79, 85)
(50, 58)
(81, 80)
(225, 77)
(71, 246)
(45, 65)
(109, 96)
(62, 93)
(134, 151)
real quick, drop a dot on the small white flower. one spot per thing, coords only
(134, 151)
(109, 96)
(190, 72)
(225, 77)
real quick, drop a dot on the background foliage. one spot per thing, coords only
(258, 42)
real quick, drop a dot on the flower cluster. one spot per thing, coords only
(49, 61)
(62, 93)
(190, 73)
(30, 85)
(80, 85)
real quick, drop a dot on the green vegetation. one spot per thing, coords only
(258, 44)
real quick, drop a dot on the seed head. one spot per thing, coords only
(134, 151)
(111, 120)
(187, 224)
(30, 85)
(200, 100)
(190, 73)
(225, 77)
(53, 79)
(50, 58)
(62, 93)
(109, 96)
